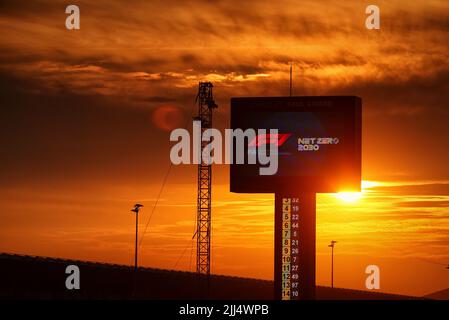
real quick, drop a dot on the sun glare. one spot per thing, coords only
(348, 197)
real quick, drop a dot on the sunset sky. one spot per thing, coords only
(85, 117)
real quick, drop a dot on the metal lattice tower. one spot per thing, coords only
(206, 104)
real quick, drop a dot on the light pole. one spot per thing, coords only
(136, 209)
(332, 245)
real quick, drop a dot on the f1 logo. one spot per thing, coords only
(269, 138)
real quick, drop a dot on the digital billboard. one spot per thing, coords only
(318, 141)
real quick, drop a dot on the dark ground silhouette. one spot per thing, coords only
(28, 277)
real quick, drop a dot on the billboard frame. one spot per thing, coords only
(351, 105)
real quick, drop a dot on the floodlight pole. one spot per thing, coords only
(332, 245)
(332, 268)
(137, 232)
(136, 209)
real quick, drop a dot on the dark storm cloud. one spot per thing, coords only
(18, 7)
(416, 95)
(425, 204)
(225, 38)
(427, 19)
(159, 99)
(435, 189)
(156, 52)
(73, 137)
(415, 214)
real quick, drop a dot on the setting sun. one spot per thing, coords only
(348, 196)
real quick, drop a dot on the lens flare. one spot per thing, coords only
(167, 117)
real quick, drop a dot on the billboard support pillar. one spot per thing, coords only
(295, 246)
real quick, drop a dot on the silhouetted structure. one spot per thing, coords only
(136, 209)
(318, 149)
(332, 245)
(206, 104)
(28, 277)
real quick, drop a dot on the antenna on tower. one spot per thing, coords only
(291, 80)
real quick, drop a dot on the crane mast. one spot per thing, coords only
(206, 104)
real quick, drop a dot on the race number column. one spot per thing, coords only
(294, 247)
(290, 248)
